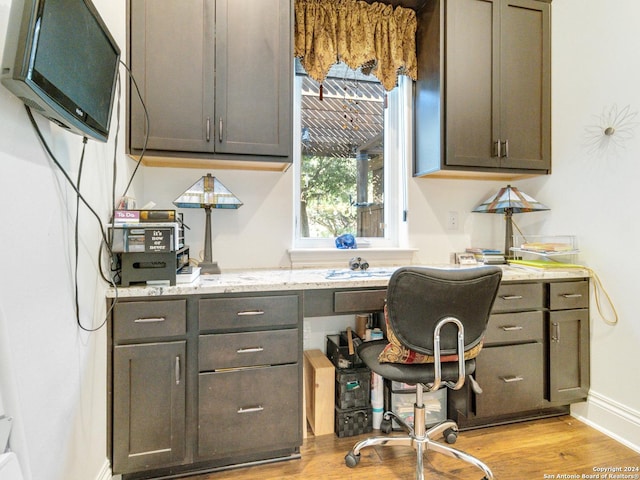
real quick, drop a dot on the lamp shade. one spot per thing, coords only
(510, 199)
(207, 192)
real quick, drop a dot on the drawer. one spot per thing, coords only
(519, 296)
(233, 350)
(568, 295)
(248, 312)
(515, 327)
(511, 379)
(359, 301)
(149, 319)
(245, 411)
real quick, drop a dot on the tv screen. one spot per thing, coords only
(61, 61)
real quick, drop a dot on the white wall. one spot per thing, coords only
(593, 192)
(56, 375)
(53, 374)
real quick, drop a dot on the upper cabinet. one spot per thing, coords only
(216, 80)
(483, 96)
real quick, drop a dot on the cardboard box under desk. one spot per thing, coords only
(319, 378)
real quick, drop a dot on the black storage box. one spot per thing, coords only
(354, 421)
(338, 351)
(353, 388)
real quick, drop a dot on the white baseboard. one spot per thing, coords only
(105, 472)
(611, 418)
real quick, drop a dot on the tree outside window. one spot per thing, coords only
(342, 155)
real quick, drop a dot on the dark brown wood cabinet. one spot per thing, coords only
(483, 95)
(535, 359)
(568, 341)
(202, 382)
(216, 80)
(148, 385)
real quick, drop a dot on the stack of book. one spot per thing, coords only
(488, 256)
(187, 274)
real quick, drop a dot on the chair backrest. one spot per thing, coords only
(419, 297)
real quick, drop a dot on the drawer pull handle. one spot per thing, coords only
(511, 328)
(177, 370)
(250, 350)
(556, 332)
(250, 313)
(149, 320)
(259, 408)
(512, 297)
(571, 295)
(512, 379)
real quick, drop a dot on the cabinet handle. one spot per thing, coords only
(511, 328)
(208, 132)
(497, 148)
(571, 295)
(512, 379)
(178, 370)
(259, 408)
(220, 130)
(505, 148)
(556, 332)
(149, 320)
(250, 313)
(250, 350)
(511, 297)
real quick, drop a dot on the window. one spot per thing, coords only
(350, 155)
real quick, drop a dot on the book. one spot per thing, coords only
(144, 216)
(187, 274)
(543, 264)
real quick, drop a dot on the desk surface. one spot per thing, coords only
(311, 279)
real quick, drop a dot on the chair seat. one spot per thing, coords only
(412, 373)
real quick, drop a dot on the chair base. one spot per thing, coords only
(421, 442)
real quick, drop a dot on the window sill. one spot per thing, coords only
(334, 257)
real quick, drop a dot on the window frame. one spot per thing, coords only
(397, 151)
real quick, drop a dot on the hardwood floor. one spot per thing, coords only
(560, 447)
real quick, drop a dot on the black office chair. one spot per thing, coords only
(435, 315)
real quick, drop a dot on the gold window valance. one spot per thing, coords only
(376, 37)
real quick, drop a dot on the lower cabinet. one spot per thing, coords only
(511, 378)
(535, 359)
(149, 406)
(568, 341)
(203, 382)
(258, 404)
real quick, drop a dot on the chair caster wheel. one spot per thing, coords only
(385, 425)
(351, 460)
(450, 435)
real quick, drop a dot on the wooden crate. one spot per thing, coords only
(319, 392)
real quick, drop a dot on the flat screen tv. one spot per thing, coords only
(62, 62)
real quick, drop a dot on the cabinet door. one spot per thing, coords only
(498, 84)
(511, 379)
(171, 58)
(247, 411)
(568, 355)
(525, 85)
(472, 97)
(148, 406)
(253, 77)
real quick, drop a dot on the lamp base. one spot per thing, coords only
(209, 268)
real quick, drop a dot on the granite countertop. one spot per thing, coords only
(306, 279)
